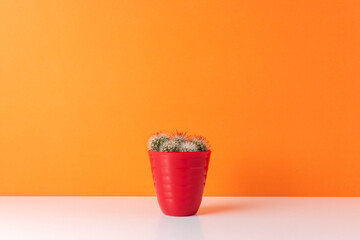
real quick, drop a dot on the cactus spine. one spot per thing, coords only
(180, 137)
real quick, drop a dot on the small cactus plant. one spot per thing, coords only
(179, 142)
(200, 142)
(157, 140)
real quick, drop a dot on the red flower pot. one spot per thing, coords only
(179, 179)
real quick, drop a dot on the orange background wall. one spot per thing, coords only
(274, 86)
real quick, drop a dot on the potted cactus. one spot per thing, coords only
(179, 167)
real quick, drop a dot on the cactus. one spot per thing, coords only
(179, 142)
(169, 146)
(200, 142)
(157, 140)
(180, 137)
(188, 147)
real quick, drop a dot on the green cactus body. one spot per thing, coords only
(200, 143)
(188, 147)
(169, 146)
(156, 141)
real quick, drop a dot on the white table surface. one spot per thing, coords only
(140, 218)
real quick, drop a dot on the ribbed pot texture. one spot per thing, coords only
(179, 179)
